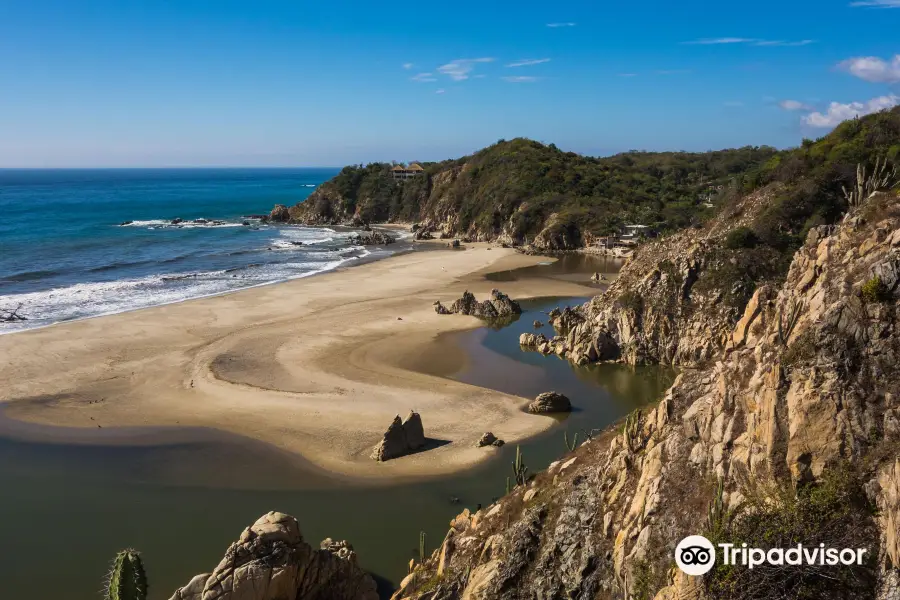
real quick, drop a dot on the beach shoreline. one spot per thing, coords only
(316, 366)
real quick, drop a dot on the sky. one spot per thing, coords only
(120, 83)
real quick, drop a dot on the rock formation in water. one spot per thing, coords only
(500, 305)
(794, 416)
(550, 402)
(271, 561)
(401, 438)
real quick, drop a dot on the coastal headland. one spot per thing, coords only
(317, 366)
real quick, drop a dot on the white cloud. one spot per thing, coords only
(423, 77)
(408, 66)
(872, 68)
(459, 69)
(784, 43)
(520, 79)
(560, 24)
(724, 40)
(440, 91)
(838, 112)
(877, 3)
(794, 105)
(527, 62)
(753, 41)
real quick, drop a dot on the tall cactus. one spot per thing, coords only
(520, 470)
(570, 446)
(881, 178)
(126, 579)
(421, 546)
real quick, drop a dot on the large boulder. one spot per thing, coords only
(271, 561)
(550, 402)
(376, 238)
(401, 438)
(500, 305)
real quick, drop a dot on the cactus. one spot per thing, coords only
(786, 326)
(880, 179)
(631, 432)
(507, 485)
(716, 509)
(421, 546)
(520, 470)
(126, 579)
(570, 447)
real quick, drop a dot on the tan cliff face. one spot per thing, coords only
(802, 382)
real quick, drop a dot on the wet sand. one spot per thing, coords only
(316, 367)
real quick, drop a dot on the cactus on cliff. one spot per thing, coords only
(126, 579)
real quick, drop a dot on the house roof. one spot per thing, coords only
(398, 168)
(415, 167)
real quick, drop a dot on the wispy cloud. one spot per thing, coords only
(749, 41)
(440, 91)
(521, 79)
(873, 69)
(458, 70)
(569, 24)
(408, 66)
(794, 105)
(838, 112)
(723, 40)
(424, 77)
(527, 62)
(877, 4)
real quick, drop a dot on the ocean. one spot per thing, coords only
(82, 243)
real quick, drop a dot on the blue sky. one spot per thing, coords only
(292, 83)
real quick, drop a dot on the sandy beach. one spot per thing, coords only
(316, 366)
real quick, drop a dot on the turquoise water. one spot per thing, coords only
(65, 253)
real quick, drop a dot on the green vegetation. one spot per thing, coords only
(570, 447)
(520, 469)
(741, 237)
(126, 579)
(834, 512)
(421, 546)
(874, 290)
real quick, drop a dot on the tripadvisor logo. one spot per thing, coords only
(696, 555)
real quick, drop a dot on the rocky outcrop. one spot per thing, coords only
(558, 235)
(500, 305)
(489, 439)
(550, 402)
(375, 238)
(801, 384)
(271, 561)
(401, 438)
(280, 214)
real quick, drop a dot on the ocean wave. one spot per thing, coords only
(29, 276)
(185, 224)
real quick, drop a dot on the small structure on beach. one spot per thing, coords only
(401, 173)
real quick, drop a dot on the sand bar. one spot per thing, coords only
(316, 366)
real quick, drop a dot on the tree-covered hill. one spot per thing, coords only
(521, 191)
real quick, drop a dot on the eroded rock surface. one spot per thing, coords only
(401, 438)
(271, 561)
(550, 402)
(500, 305)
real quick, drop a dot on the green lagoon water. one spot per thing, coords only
(67, 508)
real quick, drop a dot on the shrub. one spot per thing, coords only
(833, 512)
(874, 290)
(742, 237)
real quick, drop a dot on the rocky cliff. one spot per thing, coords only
(788, 433)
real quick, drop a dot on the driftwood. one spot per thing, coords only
(11, 315)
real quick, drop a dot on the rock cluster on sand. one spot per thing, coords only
(271, 561)
(500, 305)
(401, 438)
(376, 238)
(489, 439)
(550, 402)
(422, 234)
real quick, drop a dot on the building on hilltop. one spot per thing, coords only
(401, 173)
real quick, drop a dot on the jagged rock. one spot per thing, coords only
(271, 561)
(454, 244)
(342, 549)
(598, 277)
(440, 308)
(531, 340)
(489, 439)
(177, 221)
(537, 324)
(377, 238)
(401, 438)
(550, 402)
(280, 214)
(500, 305)
(423, 234)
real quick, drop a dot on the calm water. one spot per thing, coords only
(73, 506)
(65, 253)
